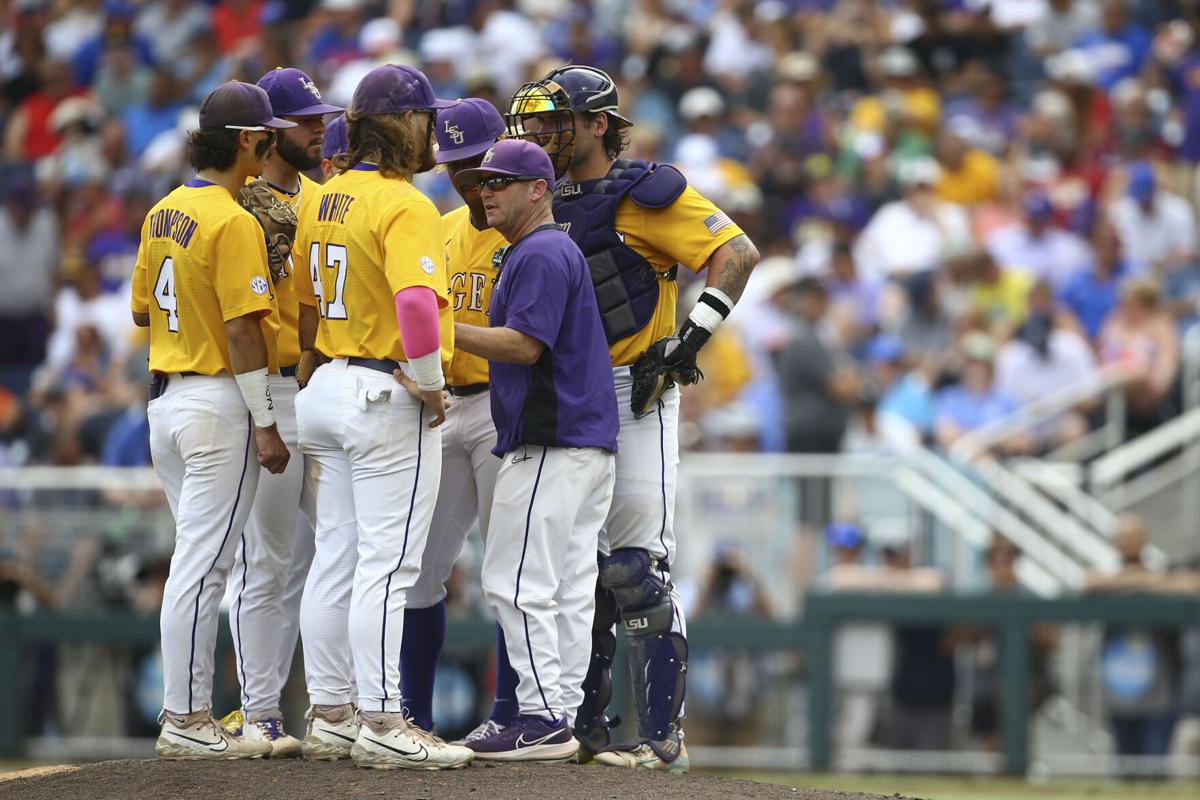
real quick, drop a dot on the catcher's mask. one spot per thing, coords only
(544, 111)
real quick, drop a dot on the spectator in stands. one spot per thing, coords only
(816, 387)
(1038, 246)
(117, 34)
(158, 114)
(928, 327)
(1091, 295)
(999, 297)
(1139, 667)
(1144, 340)
(905, 407)
(1046, 356)
(29, 231)
(28, 133)
(1157, 228)
(986, 710)
(1063, 23)
(969, 176)
(913, 235)
(974, 401)
(238, 24)
(923, 675)
(1119, 48)
(170, 26)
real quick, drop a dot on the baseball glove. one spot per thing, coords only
(668, 361)
(278, 222)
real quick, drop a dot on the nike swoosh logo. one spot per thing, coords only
(421, 751)
(340, 736)
(522, 743)
(210, 745)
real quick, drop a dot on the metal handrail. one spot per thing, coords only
(1111, 468)
(1108, 382)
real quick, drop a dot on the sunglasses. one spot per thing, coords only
(496, 184)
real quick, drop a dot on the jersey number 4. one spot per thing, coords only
(336, 259)
(164, 293)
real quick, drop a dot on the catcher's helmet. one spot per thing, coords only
(544, 110)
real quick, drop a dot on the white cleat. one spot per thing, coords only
(402, 745)
(331, 733)
(271, 731)
(193, 737)
(489, 727)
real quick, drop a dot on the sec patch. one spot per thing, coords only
(258, 285)
(427, 265)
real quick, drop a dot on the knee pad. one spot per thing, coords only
(630, 575)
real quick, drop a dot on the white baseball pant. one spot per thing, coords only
(202, 443)
(376, 464)
(539, 568)
(643, 506)
(260, 570)
(465, 495)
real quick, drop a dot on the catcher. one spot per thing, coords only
(264, 626)
(636, 222)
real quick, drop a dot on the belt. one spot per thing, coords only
(468, 390)
(288, 372)
(377, 364)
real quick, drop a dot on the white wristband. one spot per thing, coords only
(711, 309)
(256, 391)
(427, 370)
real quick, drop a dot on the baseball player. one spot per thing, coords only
(335, 145)
(555, 413)
(463, 134)
(264, 629)
(636, 222)
(373, 447)
(201, 285)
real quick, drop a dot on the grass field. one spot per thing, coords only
(947, 788)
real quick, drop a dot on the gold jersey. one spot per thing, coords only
(202, 261)
(469, 259)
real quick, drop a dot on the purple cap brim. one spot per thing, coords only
(314, 109)
(276, 122)
(459, 153)
(494, 171)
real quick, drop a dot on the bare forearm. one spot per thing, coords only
(247, 347)
(497, 344)
(730, 265)
(308, 327)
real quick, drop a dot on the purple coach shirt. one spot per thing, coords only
(566, 398)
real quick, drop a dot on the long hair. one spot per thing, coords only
(616, 136)
(384, 139)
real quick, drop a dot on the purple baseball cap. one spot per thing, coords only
(518, 158)
(293, 94)
(239, 105)
(467, 129)
(394, 88)
(336, 141)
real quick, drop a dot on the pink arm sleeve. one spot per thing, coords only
(417, 313)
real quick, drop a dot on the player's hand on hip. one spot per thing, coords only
(273, 454)
(437, 400)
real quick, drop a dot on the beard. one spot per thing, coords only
(296, 155)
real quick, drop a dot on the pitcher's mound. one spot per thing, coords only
(302, 780)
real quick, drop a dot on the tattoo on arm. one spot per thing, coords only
(733, 271)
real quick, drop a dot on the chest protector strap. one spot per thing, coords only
(627, 285)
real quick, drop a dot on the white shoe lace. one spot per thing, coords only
(489, 727)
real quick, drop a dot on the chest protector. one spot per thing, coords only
(627, 285)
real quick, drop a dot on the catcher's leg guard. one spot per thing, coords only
(591, 722)
(657, 655)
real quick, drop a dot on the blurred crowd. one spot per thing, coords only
(963, 203)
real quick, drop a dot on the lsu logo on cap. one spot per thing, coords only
(427, 265)
(258, 285)
(456, 134)
(310, 86)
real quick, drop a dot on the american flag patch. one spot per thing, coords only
(717, 222)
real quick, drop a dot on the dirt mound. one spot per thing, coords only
(302, 780)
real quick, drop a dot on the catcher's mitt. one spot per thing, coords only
(278, 222)
(667, 362)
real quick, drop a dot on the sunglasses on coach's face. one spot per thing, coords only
(498, 183)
